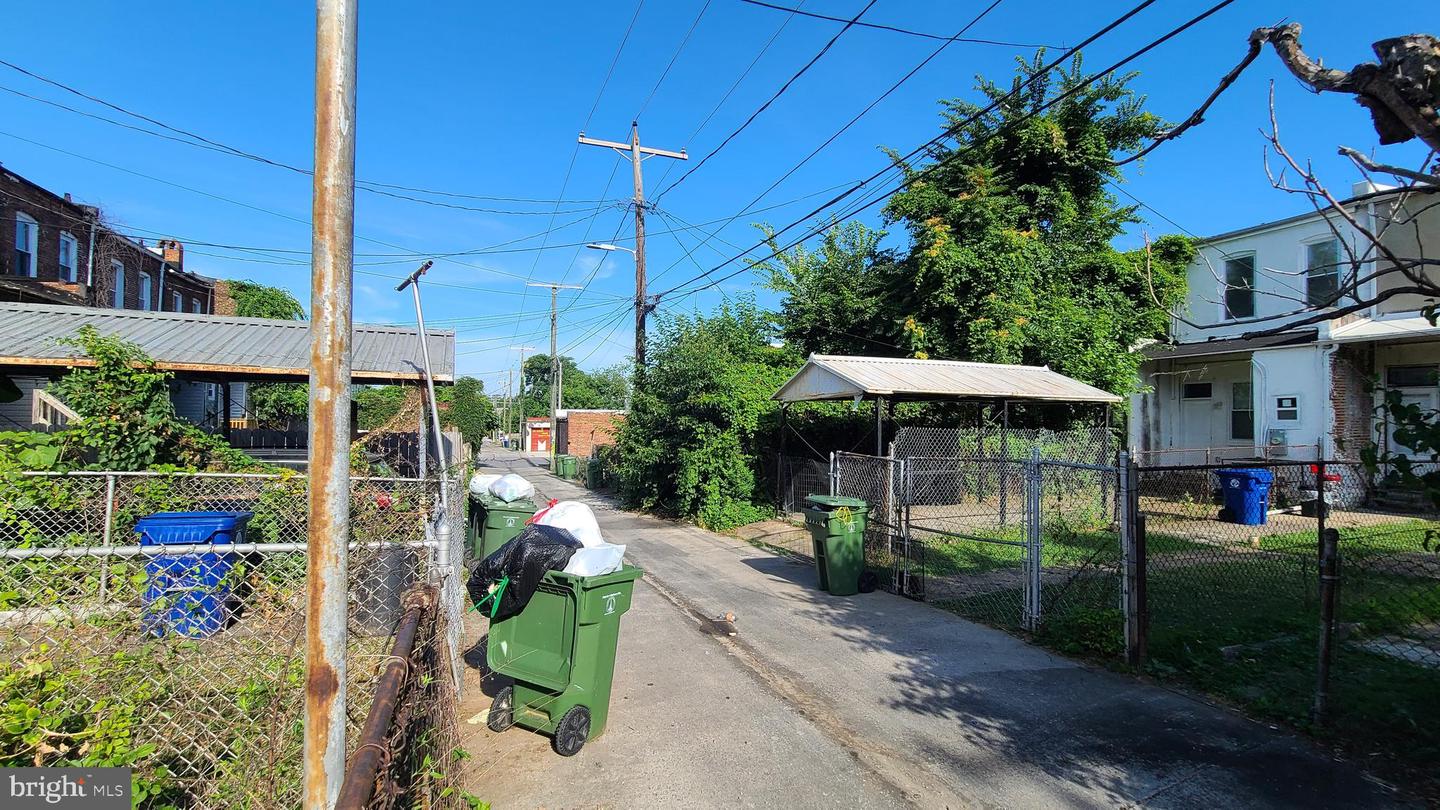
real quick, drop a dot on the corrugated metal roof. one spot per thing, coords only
(177, 341)
(834, 377)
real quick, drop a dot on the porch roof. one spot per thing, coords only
(1385, 329)
(1177, 351)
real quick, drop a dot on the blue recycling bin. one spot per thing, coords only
(188, 593)
(1246, 495)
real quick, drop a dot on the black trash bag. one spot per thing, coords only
(524, 559)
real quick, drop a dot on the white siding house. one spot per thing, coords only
(1220, 392)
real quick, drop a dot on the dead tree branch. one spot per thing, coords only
(1366, 163)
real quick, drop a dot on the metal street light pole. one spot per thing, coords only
(331, 299)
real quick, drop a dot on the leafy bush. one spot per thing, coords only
(690, 446)
(127, 419)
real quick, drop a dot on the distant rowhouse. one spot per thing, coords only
(62, 252)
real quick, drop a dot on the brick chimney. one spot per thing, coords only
(173, 253)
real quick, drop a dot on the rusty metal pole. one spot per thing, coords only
(333, 232)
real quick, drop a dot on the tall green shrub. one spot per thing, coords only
(691, 445)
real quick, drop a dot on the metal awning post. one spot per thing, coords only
(879, 426)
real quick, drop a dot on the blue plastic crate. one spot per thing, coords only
(189, 593)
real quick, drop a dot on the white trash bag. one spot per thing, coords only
(480, 482)
(576, 518)
(511, 487)
(593, 561)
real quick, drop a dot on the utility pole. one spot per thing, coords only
(519, 396)
(554, 360)
(637, 154)
(331, 297)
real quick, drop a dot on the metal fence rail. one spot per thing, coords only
(187, 663)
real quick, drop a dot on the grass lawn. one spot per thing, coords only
(1260, 608)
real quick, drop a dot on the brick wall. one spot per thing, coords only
(1351, 404)
(587, 430)
(224, 299)
(55, 215)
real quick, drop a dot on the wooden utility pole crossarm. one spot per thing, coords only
(637, 154)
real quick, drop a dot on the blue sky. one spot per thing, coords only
(486, 99)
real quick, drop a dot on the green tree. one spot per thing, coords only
(690, 445)
(274, 405)
(833, 302)
(606, 388)
(255, 300)
(1010, 257)
(470, 411)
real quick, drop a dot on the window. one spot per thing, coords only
(1412, 377)
(68, 250)
(1322, 272)
(1242, 412)
(27, 235)
(1287, 409)
(1195, 391)
(117, 271)
(144, 291)
(1240, 287)
(177, 302)
(196, 308)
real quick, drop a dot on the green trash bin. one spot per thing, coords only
(569, 467)
(594, 473)
(561, 652)
(501, 522)
(475, 524)
(837, 531)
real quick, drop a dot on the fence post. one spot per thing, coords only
(1329, 587)
(1033, 573)
(107, 536)
(834, 475)
(1130, 555)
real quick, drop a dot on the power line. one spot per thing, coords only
(671, 63)
(957, 127)
(726, 97)
(843, 129)
(895, 29)
(201, 142)
(763, 107)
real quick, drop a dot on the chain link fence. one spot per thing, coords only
(187, 662)
(1321, 609)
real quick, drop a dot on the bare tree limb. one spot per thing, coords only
(1365, 162)
(1198, 117)
(1398, 91)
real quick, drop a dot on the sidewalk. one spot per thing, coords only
(921, 706)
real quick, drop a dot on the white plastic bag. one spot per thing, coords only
(576, 518)
(593, 561)
(511, 487)
(480, 482)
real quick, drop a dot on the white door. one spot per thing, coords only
(1427, 400)
(1200, 410)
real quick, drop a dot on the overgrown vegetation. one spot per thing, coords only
(279, 406)
(690, 444)
(468, 409)
(128, 421)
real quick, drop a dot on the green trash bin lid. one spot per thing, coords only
(836, 501)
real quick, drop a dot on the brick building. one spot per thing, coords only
(61, 252)
(579, 431)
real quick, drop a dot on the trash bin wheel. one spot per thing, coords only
(502, 710)
(868, 582)
(572, 731)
